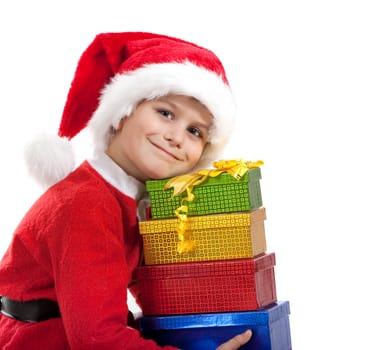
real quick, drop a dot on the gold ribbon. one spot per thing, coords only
(185, 183)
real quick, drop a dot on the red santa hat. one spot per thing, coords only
(113, 75)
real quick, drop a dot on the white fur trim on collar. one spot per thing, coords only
(112, 173)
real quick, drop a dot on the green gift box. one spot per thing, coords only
(220, 194)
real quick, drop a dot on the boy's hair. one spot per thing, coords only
(114, 74)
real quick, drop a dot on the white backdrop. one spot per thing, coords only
(302, 73)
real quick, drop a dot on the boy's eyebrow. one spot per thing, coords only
(203, 125)
(168, 102)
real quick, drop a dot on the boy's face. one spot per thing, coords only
(161, 138)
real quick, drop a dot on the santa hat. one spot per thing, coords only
(113, 75)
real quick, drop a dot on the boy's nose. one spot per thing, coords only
(175, 136)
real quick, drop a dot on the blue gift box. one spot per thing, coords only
(270, 327)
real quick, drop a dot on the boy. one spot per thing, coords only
(156, 107)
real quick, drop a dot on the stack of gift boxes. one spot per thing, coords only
(224, 284)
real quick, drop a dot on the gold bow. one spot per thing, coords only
(185, 183)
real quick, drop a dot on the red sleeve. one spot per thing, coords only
(91, 272)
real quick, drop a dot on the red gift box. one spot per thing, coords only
(203, 287)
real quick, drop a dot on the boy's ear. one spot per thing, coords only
(121, 123)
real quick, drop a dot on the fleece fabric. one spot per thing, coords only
(78, 245)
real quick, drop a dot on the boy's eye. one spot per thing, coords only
(165, 113)
(195, 131)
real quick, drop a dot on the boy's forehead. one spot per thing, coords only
(172, 97)
(175, 98)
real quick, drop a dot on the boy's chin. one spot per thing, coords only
(164, 170)
(164, 174)
(160, 176)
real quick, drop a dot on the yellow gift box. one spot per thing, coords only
(216, 237)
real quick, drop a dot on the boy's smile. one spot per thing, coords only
(165, 151)
(162, 137)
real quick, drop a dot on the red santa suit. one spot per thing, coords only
(77, 245)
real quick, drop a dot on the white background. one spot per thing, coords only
(303, 76)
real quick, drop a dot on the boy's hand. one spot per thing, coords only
(236, 342)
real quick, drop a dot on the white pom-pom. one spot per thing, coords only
(49, 159)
